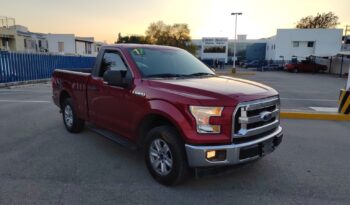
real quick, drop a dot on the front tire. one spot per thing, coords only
(165, 156)
(70, 119)
(295, 70)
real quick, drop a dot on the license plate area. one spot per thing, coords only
(249, 152)
(267, 147)
(258, 150)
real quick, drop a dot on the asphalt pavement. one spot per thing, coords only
(300, 91)
(41, 163)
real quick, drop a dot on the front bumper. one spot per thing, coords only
(235, 153)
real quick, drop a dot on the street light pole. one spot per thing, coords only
(235, 42)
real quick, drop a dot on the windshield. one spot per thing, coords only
(153, 62)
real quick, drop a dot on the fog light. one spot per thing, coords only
(211, 154)
(216, 155)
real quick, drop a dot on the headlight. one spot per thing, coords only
(202, 116)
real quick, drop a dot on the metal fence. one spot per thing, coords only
(26, 66)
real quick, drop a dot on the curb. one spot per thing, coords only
(315, 116)
(6, 85)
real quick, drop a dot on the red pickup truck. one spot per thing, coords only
(166, 102)
(305, 66)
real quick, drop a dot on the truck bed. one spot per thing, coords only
(75, 83)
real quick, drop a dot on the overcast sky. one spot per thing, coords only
(104, 19)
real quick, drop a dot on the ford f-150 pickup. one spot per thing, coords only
(173, 107)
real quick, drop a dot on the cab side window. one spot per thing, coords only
(112, 61)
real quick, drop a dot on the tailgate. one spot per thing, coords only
(71, 84)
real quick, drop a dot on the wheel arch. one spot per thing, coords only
(162, 113)
(63, 96)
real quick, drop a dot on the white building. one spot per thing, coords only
(98, 46)
(61, 43)
(85, 45)
(302, 43)
(214, 49)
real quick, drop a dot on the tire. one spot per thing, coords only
(295, 70)
(70, 119)
(165, 156)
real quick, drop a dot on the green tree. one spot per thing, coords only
(132, 39)
(324, 20)
(177, 35)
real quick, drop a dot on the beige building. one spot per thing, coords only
(7, 39)
(18, 38)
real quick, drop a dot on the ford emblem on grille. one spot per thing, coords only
(265, 116)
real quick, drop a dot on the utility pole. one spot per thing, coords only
(235, 42)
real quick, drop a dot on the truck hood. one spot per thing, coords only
(214, 88)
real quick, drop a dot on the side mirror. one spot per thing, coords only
(114, 78)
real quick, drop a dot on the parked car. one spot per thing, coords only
(169, 104)
(271, 67)
(253, 64)
(242, 62)
(305, 66)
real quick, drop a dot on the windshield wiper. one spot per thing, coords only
(201, 74)
(165, 75)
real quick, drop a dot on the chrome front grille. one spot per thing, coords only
(255, 119)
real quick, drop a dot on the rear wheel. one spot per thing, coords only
(295, 70)
(165, 156)
(70, 119)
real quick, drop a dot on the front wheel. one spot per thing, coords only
(295, 70)
(70, 119)
(165, 156)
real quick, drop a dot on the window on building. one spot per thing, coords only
(32, 44)
(347, 41)
(88, 48)
(25, 43)
(295, 44)
(310, 44)
(61, 47)
(214, 49)
(3, 40)
(5, 43)
(39, 42)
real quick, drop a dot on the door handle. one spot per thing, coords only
(93, 88)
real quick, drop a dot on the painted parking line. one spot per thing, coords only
(22, 91)
(325, 109)
(26, 101)
(303, 99)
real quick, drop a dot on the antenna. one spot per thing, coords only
(6, 22)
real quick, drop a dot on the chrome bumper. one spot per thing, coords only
(196, 155)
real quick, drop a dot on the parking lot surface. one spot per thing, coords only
(41, 163)
(301, 91)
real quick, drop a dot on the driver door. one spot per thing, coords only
(108, 104)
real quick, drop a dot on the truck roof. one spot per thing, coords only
(135, 45)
